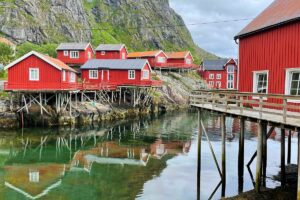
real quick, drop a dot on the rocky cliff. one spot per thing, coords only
(140, 24)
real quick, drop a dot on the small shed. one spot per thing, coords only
(155, 58)
(180, 60)
(111, 51)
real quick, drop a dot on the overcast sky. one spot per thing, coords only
(217, 38)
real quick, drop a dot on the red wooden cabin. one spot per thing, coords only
(111, 51)
(104, 73)
(156, 59)
(75, 54)
(220, 74)
(180, 60)
(38, 72)
(269, 49)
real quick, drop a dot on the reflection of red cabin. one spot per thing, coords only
(111, 51)
(75, 54)
(109, 73)
(180, 60)
(35, 71)
(155, 58)
(220, 74)
(269, 49)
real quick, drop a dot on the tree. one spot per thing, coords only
(6, 54)
(48, 49)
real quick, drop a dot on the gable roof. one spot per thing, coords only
(111, 47)
(145, 54)
(280, 12)
(73, 46)
(115, 64)
(215, 65)
(52, 61)
(178, 55)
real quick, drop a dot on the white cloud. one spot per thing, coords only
(217, 37)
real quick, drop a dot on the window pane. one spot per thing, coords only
(296, 76)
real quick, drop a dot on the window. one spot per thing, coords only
(211, 83)
(211, 76)
(260, 82)
(34, 176)
(145, 74)
(218, 84)
(188, 61)
(219, 76)
(230, 81)
(161, 59)
(64, 75)
(131, 74)
(93, 74)
(74, 54)
(102, 53)
(292, 84)
(123, 55)
(34, 74)
(72, 77)
(66, 53)
(89, 55)
(230, 69)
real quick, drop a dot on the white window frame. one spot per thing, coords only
(34, 78)
(219, 76)
(211, 83)
(188, 61)
(230, 81)
(161, 59)
(288, 77)
(218, 84)
(229, 68)
(89, 55)
(211, 76)
(103, 53)
(131, 74)
(72, 77)
(34, 176)
(143, 74)
(123, 56)
(92, 73)
(254, 87)
(64, 75)
(74, 54)
(66, 53)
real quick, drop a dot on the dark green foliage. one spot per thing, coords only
(48, 49)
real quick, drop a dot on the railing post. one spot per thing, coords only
(284, 109)
(260, 106)
(241, 105)
(213, 100)
(226, 102)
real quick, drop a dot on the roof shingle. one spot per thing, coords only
(144, 54)
(177, 55)
(73, 46)
(110, 47)
(115, 64)
(215, 65)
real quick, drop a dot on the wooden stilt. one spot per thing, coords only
(289, 147)
(124, 96)
(241, 155)
(199, 154)
(223, 127)
(264, 154)
(298, 186)
(41, 103)
(283, 180)
(120, 96)
(259, 157)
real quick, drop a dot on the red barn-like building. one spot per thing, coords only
(112, 73)
(111, 51)
(220, 74)
(269, 49)
(75, 54)
(180, 60)
(38, 72)
(156, 59)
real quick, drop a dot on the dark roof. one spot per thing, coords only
(73, 46)
(217, 65)
(280, 12)
(114, 64)
(110, 47)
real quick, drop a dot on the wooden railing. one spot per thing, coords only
(285, 106)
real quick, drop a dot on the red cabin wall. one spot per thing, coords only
(112, 54)
(83, 57)
(181, 60)
(155, 60)
(275, 50)
(49, 76)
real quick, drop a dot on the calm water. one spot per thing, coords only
(145, 159)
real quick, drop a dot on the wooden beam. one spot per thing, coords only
(259, 157)
(241, 155)
(265, 153)
(199, 154)
(298, 185)
(289, 147)
(223, 128)
(283, 178)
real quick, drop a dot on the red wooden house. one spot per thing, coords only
(101, 73)
(269, 49)
(111, 51)
(75, 54)
(180, 60)
(220, 74)
(156, 59)
(38, 72)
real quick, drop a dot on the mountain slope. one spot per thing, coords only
(140, 24)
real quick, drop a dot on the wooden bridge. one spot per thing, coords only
(269, 111)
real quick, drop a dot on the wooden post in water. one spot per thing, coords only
(298, 186)
(223, 127)
(241, 155)
(283, 158)
(264, 152)
(199, 153)
(259, 156)
(289, 147)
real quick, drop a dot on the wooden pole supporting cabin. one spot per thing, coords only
(289, 147)
(241, 155)
(120, 96)
(199, 153)
(41, 103)
(283, 179)
(259, 156)
(264, 153)
(298, 185)
(223, 127)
